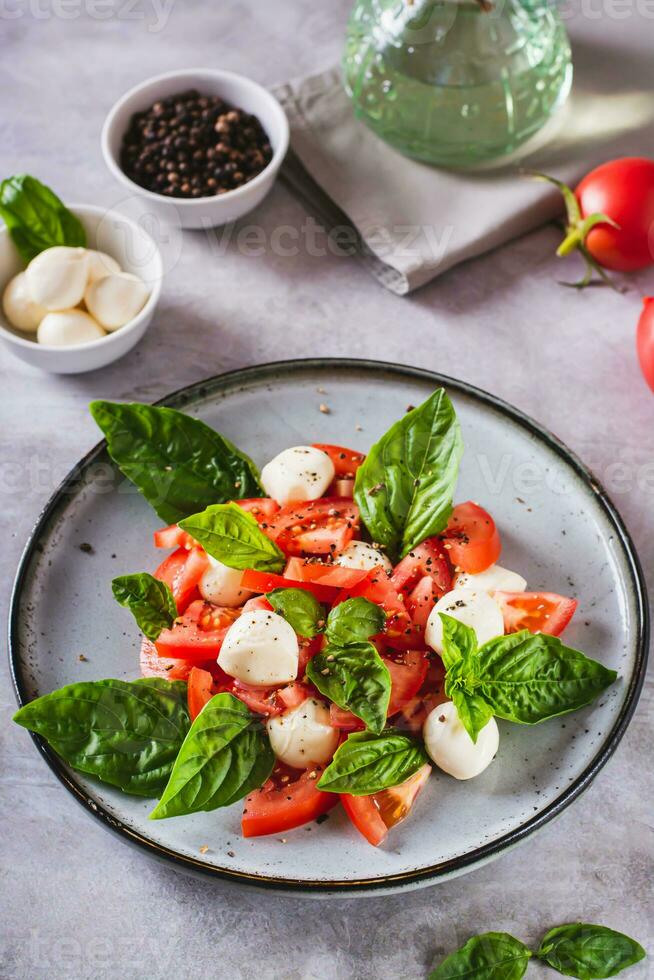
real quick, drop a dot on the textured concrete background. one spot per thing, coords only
(76, 903)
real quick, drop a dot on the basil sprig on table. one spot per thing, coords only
(588, 952)
(36, 218)
(232, 536)
(299, 608)
(225, 756)
(405, 485)
(348, 670)
(127, 734)
(150, 601)
(368, 763)
(178, 463)
(522, 677)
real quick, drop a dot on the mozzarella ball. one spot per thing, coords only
(20, 309)
(57, 277)
(492, 579)
(101, 265)
(68, 327)
(361, 555)
(261, 649)
(116, 299)
(222, 585)
(451, 748)
(476, 609)
(302, 736)
(300, 473)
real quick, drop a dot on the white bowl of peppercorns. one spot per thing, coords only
(202, 147)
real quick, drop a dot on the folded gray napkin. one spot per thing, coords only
(413, 221)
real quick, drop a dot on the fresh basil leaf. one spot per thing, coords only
(150, 601)
(233, 537)
(178, 463)
(126, 734)
(491, 956)
(405, 485)
(527, 678)
(459, 641)
(225, 756)
(355, 678)
(35, 217)
(368, 763)
(589, 952)
(354, 620)
(474, 713)
(299, 608)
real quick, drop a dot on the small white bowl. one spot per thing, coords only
(239, 91)
(135, 252)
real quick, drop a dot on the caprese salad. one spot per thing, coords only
(327, 631)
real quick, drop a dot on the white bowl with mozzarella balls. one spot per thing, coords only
(130, 249)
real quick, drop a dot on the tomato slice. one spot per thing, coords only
(374, 815)
(538, 612)
(285, 801)
(317, 571)
(198, 634)
(261, 508)
(423, 576)
(200, 690)
(261, 700)
(471, 538)
(376, 586)
(432, 693)
(152, 665)
(408, 673)
(173, 537)
(267, 581)
(346, 461)
(182, 572)
(318, 527)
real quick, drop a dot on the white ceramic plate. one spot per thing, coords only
(558, 529)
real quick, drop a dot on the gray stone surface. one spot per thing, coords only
(76, 903)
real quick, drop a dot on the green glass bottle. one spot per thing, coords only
(456, 82)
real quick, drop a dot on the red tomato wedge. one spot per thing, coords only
(267, 581)
(197, 635)
(173, 537)
(200, 690)
(538, 612)
(408, 673)
(432, 693)
(346, 461)
(285, 802)
(471, 538)
(423, 576)
(261, 700)
(400, 631)
(261, 508)
(316, 571)
(374, 815)
(318, 527)
(152, 665)
(181, 572)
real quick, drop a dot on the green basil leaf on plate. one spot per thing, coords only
(35, 217)
(491, 956)
(355, 678)
(126, 734)
(404, 488)
(589, 952)
(459, 641)
(354, 620)
(368, 763)
(225, 756)
(528, 678)
(232, 536)
(150, 601)
(299, 608)
(474, 713)
(178, 463)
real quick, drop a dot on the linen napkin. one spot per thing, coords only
(413, 221)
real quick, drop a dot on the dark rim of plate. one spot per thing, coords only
(239, 379)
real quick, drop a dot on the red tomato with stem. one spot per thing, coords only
(645, 340)
(197, 635)
(471, 538)
(374, 815)
(538, 612)
(287, 800)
